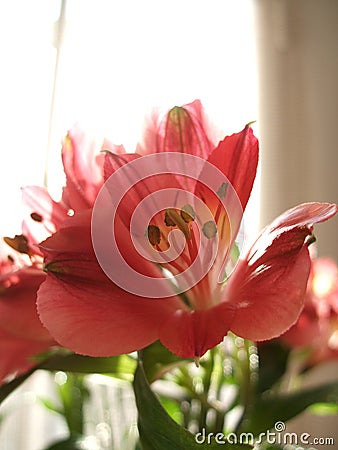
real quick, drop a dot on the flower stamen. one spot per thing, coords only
(172, 218)
(209, 229)
(154, 235)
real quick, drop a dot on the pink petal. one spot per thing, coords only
(83, 309)
(18, 315)
(113, 162)
(305, 214)
(190, 334)
(100, 320)
(183, 129)
(69, 252)
(237, 157)
(42, 216)
(16, 355)
(83, 168)
(269, 285)
(269, 298)
(304, 332)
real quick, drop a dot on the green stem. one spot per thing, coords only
(246, 357)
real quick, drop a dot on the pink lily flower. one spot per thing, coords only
(22, 335)
(89, 313)
(83, 167)
(317, 326)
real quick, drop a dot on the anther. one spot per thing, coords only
(36, 216)
(172, 218)
(222, 190)
(310, 240)
(168, 220)
(209, 229)
(188, 213)
(10, 259)
(154, 234)
(18, 243)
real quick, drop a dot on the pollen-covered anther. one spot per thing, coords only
(172, 218)
(311, 239)
(36, 216)
(209, 229)
(11, 259)
(188, 213)
(18, 243)
(154, 234)
(168, 220)
(222, 190)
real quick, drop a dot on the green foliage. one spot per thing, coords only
(273, 360)
(324, 409)
(122, 366)
(72, 394)
(157, 360)
(271, 408)
(158, 431)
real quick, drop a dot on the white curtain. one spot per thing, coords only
(298, 105)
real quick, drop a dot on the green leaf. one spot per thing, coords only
(157, 360)
(273, 359)
(158, 431)
(272, 408)
(50, 405)
(324, 409)
(72, 393)
(123, 365)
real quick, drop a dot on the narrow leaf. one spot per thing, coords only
(158, 431)
(273, 358)
(117, 365)
(272, 408)
(157, 360)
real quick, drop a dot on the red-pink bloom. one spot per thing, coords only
(22, 336)
(317, 326)
(83, 167)
(88, 313)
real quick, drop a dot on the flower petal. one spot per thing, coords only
(83, 168)
(189, 334)
(99, 320)
(183, 129)
(18, 315)
(270, 298)
(269, 285)
(305, 214)
(42, 216)
(237, 157)
(83, 309)
(16, 355)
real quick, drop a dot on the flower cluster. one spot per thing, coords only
(317, 326)
(80, 307)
